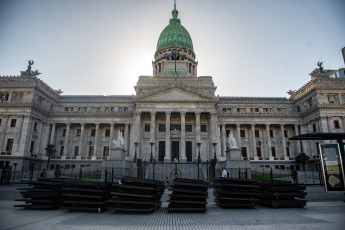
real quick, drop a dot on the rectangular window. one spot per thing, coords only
(112, 109)
(79, 109)
(336, 124)
(203, 128)
(256, 110)
(93, 132)
(175, 127)
(125, 109)
(243, 110)
(224, 109)
(71, 108)
(147, 128)
(0, 121)
(4, 96)
(285, 133)
(189, 128)
(78, 132)
(271, 133)
(258, 152)
(106, 151)
(161, 128)
(242, 133)
(9, 145)
(98, 109)
(288, 151)
(257, 133)
(91, 149)
(61, 150)
(106, 109)
(189, 151)
(85, 109)
(107, 133)
(244, 152)
(314, 127)
(265, 110)
(161, 151)
(35, 126)
(13, 122)
(273, 151)
(238, 110)
(66, 109)
(32, 146)
(64, 132)
(229, 110)
(76, 150)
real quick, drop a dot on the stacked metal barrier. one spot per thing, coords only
(282, 194)
(45, 193)
(136, 195)
(188, 195)
(80, 195)
(235, 193)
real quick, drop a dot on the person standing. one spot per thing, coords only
(224, 172)
(43, 173)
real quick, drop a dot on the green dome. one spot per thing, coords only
(174, 33)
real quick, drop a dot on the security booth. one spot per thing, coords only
(331, 158)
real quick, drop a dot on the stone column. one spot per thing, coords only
(283, 142)
(254, 143)
(153, 131)
(18, 135)
(238, 131)
(167, 157)
(39, 139)
(111, 138)
(197, 132)
(81, 140)
(329, 123)
(219, 145)
(213, 128)
(52, 134)
(183, 137)
(223, 142)
(4, 126)
(304, 143)
(269, 144)
(95, 148)
(137, 134)
(298, 143)
(66, 142)
(25, 136)
(126, 138)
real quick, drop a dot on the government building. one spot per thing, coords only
(174, 117)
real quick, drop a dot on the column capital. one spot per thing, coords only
(267, 125)
(82, 123)
(183, 113)
(153, 113)
(168, 113)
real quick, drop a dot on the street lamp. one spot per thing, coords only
(136, 142)
(198, 142)
(152, 142)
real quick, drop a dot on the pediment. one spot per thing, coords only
(176, 94)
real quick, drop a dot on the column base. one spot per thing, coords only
(167, 160)
(63, 157)
(286, 158)
(256, 158)
(271, 158)
(183, 160)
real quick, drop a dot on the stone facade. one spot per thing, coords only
(175, 108)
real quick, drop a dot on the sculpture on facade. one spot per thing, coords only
(232, 141)
(31, 62)
(119, 142)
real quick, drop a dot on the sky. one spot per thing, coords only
(254, 48)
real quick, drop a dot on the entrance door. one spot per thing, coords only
(175, 150)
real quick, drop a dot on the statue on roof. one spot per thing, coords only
(319, 64)
(31, 62)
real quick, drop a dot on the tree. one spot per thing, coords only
(302, 158)
(50, 152)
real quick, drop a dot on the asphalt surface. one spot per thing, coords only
(323, 211)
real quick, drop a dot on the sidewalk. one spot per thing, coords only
(323, 211)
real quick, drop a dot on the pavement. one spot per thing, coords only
(323, 211)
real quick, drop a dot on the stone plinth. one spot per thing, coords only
(116, 162)
(234, 154)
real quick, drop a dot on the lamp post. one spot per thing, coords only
(15, 170)
(152, 142)
(198, 142)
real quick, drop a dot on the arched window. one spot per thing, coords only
(159, 67)
(190, 67)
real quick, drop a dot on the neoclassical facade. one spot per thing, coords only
(174, 109)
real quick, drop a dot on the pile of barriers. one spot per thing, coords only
(132, 194)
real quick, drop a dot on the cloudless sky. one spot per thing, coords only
(100, 47)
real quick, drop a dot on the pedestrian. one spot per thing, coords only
(43, 173)
(167, 184)
(224, 172)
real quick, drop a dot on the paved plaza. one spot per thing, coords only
(323, 211)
